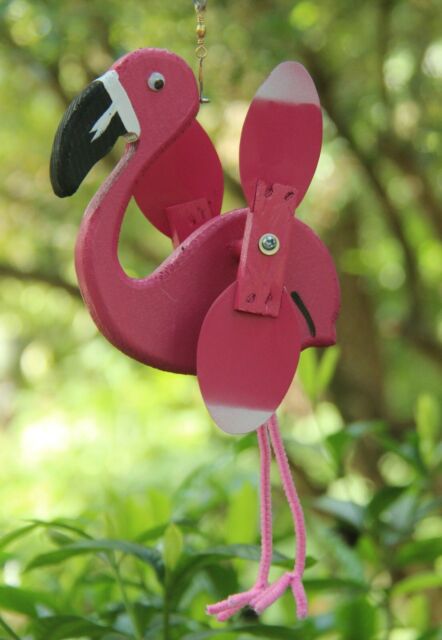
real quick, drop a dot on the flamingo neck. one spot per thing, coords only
(100, 274)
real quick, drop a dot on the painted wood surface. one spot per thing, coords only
(187, 170)
(185, 218)
(157, 319)
(282, 134)
(260, 278)
(246, 362)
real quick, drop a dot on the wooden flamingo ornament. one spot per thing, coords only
(241, 294)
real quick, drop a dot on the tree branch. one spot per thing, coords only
(367, 163)
(10, 271)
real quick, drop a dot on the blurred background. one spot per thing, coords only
(121, 504)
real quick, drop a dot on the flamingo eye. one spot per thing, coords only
(156, 81)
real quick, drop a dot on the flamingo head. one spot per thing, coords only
(149, 96)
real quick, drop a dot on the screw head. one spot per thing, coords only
(269, 244)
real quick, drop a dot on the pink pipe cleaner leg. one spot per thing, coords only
(227, 608)
(293, 578)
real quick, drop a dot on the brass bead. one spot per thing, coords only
(200, 30)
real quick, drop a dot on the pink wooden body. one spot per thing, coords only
(157, 319)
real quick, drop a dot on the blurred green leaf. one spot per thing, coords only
(345, 511)
(327, 368)
(196, 561)
(63, 525)
(382, 499)
(304, 630)
(23, 601)
(428, 422)
(334, 584)
(418, 612)
(154, 533)
(242, 515)
(252, 553)
(418, 582)
(358, 617)
(245, 442)
(307, 372)
(65, 627)
(172, 546)
(432, 634)
(418, 551)
(16, 534)
(402, 515)
(146, 554)
(11, 633)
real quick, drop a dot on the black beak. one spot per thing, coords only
(76, 148)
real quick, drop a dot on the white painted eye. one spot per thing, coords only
(156, 81)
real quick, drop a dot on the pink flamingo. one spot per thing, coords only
(171, 168)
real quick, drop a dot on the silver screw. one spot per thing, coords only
(269, 244)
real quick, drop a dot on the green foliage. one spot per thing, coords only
(123, 512)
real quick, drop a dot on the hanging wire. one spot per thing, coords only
(201, 50)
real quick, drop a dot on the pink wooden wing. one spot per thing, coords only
(186, 171)
(282, 134)
(246, 362)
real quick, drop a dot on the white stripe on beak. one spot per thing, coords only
(120, 104)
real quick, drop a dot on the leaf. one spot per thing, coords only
(355, 614)
(160, 506)
(245, 442)
(253, 552)
(172, 546)
(223, 580)
(432, 634)
(327, 368)
(12, 536)
(418, 582)
(383, 499)
(428, 426)
(16, 535)
(361, 428)
(333, 584)
(197, 561)
(307, 371)
(21, 600)
(304, 630)
(65, 627)
(5, 557)
(419, 551)
(339, 441)
(64, 525)
(242, 515)
(154, 533)
(147, 555)
(11, 633)
(345, 511)
(58, 538)
(401, 516)
(418, 611)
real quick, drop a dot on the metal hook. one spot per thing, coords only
(201, 50)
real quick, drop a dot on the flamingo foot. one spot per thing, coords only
(277, 589)
(227, 608)
(261, 596)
